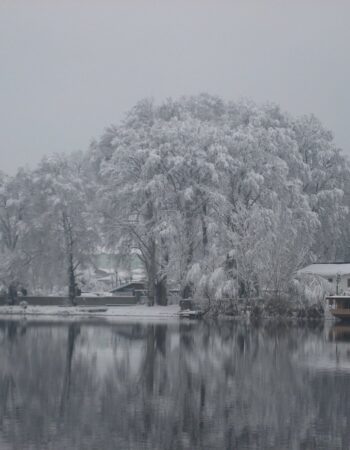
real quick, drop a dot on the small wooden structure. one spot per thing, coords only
(187, 310)
(339, 306)
(189, 314)
(129, 287)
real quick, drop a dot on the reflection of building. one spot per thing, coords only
(339, 358)
(331, 354)
(339, 333)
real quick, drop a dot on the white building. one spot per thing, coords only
(337, 274)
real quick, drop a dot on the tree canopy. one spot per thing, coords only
(217, 199)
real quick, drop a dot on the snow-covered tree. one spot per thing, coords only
(204, 187)
(63, 207)
(16, 247)
(221, 200)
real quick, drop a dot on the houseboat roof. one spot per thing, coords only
(130, 286)
(327, 269)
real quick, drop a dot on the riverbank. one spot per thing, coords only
(224, 310)
(138, 311)
(269, 309)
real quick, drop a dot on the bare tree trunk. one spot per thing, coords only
(186, 290)
(162, 278)
(71, 281)
(12, 293)
(161, 296)
(204, 229)
(71, 267)
(151, 265)
(151, 272)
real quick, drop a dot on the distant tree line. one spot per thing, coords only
(219, 199)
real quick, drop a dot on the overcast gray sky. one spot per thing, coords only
(70, 68)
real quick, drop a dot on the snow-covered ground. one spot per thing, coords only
(114, 311)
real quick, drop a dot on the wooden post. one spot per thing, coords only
(337, 285)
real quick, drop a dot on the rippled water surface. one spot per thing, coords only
(220, 385)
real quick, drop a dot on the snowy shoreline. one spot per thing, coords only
(136, 311)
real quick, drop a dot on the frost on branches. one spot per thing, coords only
(223, 200)
(218, 200)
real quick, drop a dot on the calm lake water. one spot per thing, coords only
(196, 385)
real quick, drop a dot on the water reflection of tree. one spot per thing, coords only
(191, 386)
(73, 331)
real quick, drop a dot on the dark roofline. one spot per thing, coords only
(126, 285)
(332, 262)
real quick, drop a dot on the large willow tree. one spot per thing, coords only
(221, 199)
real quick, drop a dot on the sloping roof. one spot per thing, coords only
(327, 270)
(130, 286)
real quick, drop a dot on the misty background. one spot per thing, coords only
(69, 69)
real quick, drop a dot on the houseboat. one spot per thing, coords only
(339, 306)
(337, 275)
